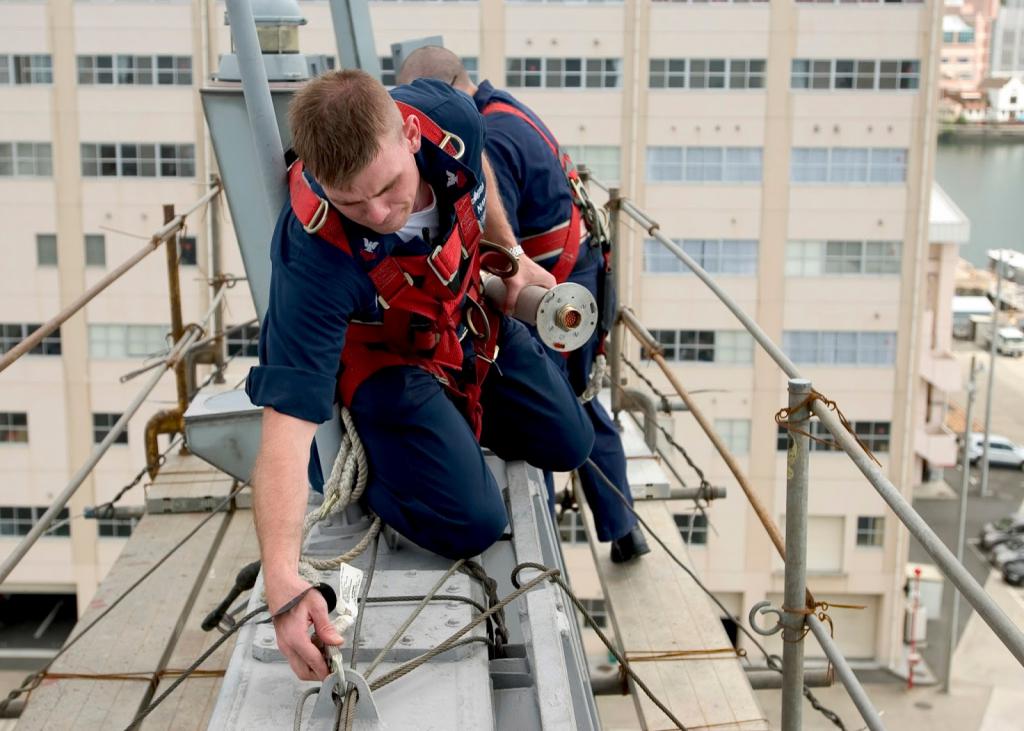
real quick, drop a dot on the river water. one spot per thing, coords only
(987, 182)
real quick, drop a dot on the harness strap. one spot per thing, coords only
(314, 213)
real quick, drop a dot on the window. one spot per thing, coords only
(114, 342)
(26, 159)
(667, 73)
(46, 250)
(854, 74)
(874, 434)
(187, 251)
(603, 161)
(472, 66)
(243, 340)
(706, 346)
(716, 2)
(130, 70)
(597, 611)
(735, 433)
(870, 530)
(387, 71)
(95, 250)
(13, 427)
(115, 527)
(26, 69)
(563, 73)
(862, 2)
(867, 258)
(102, 423)
(17, 520)
(571, 529)
(717, 256)
(815, 347)
(693, 527)
(13, 333)
(841, 165)
(704, 164)
(132, 160)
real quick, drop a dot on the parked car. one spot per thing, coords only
(1013, 573)
(1007, 551)
(1009, 340)
(1001, 451)
(1002, 530)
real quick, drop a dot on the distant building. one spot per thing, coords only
(966, 44)
(969, 106)
(1005, 97)
(1008, 40)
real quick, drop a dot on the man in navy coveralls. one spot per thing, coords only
(391, 194)
(538, 198)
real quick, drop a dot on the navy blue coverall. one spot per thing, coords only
(536, 196)
(428, 478)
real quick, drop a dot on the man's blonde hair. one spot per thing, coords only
(337, 122)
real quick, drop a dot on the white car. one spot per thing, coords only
(1000, 451)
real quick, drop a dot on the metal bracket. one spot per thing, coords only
(331, 693)
(757, 610)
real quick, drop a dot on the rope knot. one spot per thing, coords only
(784, 417)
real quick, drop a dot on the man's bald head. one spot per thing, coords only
(434, 62)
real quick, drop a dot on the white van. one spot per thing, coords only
(1009, 340)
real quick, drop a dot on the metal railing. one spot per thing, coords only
(801, 613)
(185, 337)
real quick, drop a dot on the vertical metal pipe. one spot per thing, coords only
(615, 338)
(796, 557)
(266, 138)
(217, 268)
(961, 522)
(992, 354)
(174, 296)
(856, 691)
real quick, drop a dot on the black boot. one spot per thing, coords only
(630, 546)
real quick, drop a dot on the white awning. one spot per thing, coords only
(955, 24)
(947, 224)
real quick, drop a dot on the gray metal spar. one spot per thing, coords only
(857, 693)
(994, 617)
(796, 556)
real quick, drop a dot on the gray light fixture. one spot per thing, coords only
(277, 28)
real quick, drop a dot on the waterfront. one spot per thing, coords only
(987, 181)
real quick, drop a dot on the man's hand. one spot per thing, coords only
(304, 653)
(530, 272)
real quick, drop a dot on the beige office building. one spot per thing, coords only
(788, 146)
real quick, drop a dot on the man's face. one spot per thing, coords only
(381, 196)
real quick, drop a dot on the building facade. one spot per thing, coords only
(788, 146)
(967, 27)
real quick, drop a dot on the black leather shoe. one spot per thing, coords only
(630, 546)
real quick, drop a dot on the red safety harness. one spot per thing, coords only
(565, 237)
(430, 302)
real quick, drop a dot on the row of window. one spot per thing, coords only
(123, 69)
(96, 250)
(14, 427)
(26, 68)
(703, 164)
(121, 341)
(848, 165)
(563, 73)
(875, 435)
(693, 528)
(865, 75)
(135, 160)
(808, 347)
(387, 68)
(26, 159)
(963, 36)
(706, 73)
(738, 257)
(17, 520)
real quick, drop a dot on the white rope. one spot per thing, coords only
(344, 486)
(596, 381)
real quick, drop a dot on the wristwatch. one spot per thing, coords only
(516, 252)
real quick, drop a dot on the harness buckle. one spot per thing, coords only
(383, 302)
(476, 307)
(457, 143)
(319, 218)
(446, 281)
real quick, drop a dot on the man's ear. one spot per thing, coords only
(411, 133)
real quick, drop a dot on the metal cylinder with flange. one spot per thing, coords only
(565, 315)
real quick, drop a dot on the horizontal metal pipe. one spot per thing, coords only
(115, 511)
(83, 299)
(845, 674)
(691, 493)
(768, 679)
